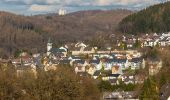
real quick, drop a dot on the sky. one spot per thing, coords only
(33, 7)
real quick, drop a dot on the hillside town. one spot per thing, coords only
(110, 65)
(84, 50)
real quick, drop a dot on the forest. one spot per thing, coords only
(18, 32)
(62, 84)
(152, 19)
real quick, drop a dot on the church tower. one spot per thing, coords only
(49, 46)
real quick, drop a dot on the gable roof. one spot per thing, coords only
(57, 50)
(79, 61)
(117, 60)
(75, 57)
(114, 75)
(136, 60)
(94, 61)
(97, 73)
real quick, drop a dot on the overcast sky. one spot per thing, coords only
(28, 7)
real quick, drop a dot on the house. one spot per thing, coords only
(55, 52)
(79, 66)
(114, 79)
(107, 75)
(80, 44)
(154, 66)
(130, 95)
(120, 95)
(113, 96)
(82, 50)
(128, 78)
(163, 42)
(136, 63)
(150, 43)
(73, 58)
(154, 40)
(116, 70)
(24, 59)
(77, 50)
(130, 43)
(150, 40)
(96, 74)
(96, 63)
(122, 63)
(89, 50)
(58, 53)
(37, 59)
(90, 69)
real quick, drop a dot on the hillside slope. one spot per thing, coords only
(153, 19)
(31, 32)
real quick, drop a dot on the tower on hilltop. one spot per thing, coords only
(62, 12)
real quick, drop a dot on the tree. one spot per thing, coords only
(137, 44)
(62, 84)
(162, 80)
(105, 86)
(150, 89)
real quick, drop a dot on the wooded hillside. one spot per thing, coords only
(152, 19)
(31, 32)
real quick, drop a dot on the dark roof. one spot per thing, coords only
(96, 57)
(113, 54)
(94, 61)
(116, 60)
(136, 60)
(97, 73)
(75, 57)
(58, 54)
(114, 75)
(55, 61)
(37, 61)
(65, 61)
(56, 50)
(79, 61)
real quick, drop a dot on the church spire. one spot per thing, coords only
(49, 46)
(49, 40)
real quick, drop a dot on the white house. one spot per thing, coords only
(80, 44)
